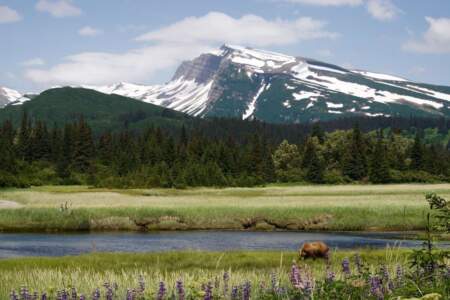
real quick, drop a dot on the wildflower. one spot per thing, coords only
(246, 291)
(74, 294)
(376, 287)
(44, 296)
(161, 291)
(96, 294)
(346, 266)
(226, 280)
(330, 276)
(358, 263)
(295, 277)
(82, 297)
(130, 295)
(180, 289)
(208, 291)
(13, 296)
(274, 282)
(234, 293)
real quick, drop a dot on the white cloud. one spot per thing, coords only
(249, 30)
(8, 15)
(327, 2)
(435, 40)
(33, 62)
(382, 10)
(105, 68)
(172, 44)
(89, 31)
(58, 8)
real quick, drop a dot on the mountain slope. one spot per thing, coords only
(102, 111)
(247, 83)
(10, 97)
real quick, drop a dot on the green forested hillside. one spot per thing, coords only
(102, 112)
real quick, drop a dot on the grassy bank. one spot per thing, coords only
(86, 272)
(347, 207)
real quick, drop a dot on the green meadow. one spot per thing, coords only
(334, 208)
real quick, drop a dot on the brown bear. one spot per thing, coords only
(314, 250)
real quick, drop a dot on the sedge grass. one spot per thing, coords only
(347, 207)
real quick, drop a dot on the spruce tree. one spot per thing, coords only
(354, 157)
(417, 157)
(65, 159)
(83, 148)
(379, 167)
(24, 140)
(318, 132)
(315, 167)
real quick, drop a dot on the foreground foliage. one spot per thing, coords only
(350, 278)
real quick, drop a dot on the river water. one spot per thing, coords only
(48, 244)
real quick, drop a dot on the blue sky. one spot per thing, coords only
(56, 42)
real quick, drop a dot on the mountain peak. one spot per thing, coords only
(247, 83)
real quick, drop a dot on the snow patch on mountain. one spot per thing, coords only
(252, 105)
(379, 76)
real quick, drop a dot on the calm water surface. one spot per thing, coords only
(33, 244)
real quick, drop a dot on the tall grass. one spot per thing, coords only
(88, 272)
(354, 207)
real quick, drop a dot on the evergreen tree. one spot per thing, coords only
(315, 167)
(83, 147)
(417, 153)
(354, 158)
(318, 132)
(379, 168)
(24, 140)
(65, 159)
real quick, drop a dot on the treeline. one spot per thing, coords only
(224, 153)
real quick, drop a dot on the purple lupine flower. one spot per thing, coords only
(44, 296)
(385, 272)
(295, 277)
(376, 287)
(109, 292)
(226, 280)
(274, 282)
(208, 291)
(358, 263)
(161, 291)
(399, 273)
(130, 295)
(234, 293)
(96, 294)
(346, 266)
(13, 296)
(82, 297)
(330, 276)
(74, 294)
(180, 289)
(246, 290)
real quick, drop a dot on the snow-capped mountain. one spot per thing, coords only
(247, 83)
(10, 97)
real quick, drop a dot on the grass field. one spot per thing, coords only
(346, 207)
(89, 271)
